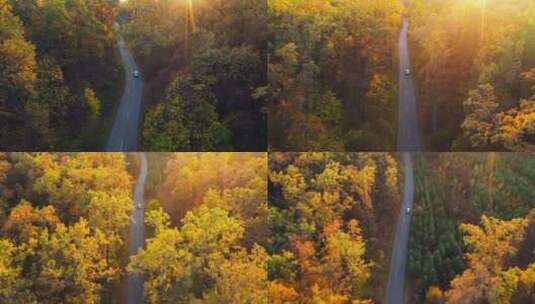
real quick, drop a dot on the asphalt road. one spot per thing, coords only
(408, 141)
(134, 282)
(408, 138)
(398, 261)
(124, 133)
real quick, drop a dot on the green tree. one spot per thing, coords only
(18, 65)
(187, 121)
(330, 72)
(17, 76)
(93, 103)
(220, 61)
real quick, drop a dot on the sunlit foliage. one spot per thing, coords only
(473, 60)
(330, 226)
(331, 74)
(217, 48)
(208, 246)
(472, 228)
(62, 223)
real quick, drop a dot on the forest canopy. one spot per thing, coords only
(64, 219)
(53, 55)
(62, 222)
(330, 219)
(201, 84)
(205, 70)
(478, 91)
(208, 229)
(473, 228)
(332, 74)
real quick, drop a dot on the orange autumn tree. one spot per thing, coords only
(320, 249)
(492, 246)
(62, 221)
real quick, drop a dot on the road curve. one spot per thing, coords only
(408, 138)
(134, 282)
(398, 261)
(124, 133)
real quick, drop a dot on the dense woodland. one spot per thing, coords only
(62, 224)
(331, 226)
(204, 68)
(473, 229)
(64, 219)
(207, 229)
(475, 67)
(59, 73)
(332, 72)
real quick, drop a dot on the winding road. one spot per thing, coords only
(124, 133)
(408, 141)
(134, 282)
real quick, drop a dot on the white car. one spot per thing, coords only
(136, 74)
(408, 210)
(407, 72)
(139, 206)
